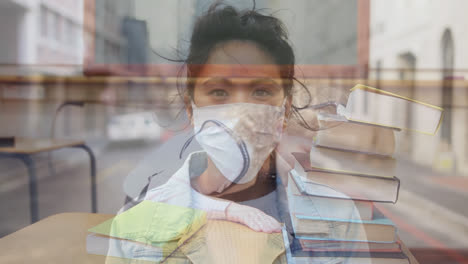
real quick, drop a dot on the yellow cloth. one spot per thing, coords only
(158, 224)
(228, 242)
(187, 231)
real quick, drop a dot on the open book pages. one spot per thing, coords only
(337, 245)
(326, 207)
(374, 106)
(355, 187)
(216, 242)
(341, 185)
(378, 229)
(342, 134)
(228, 242)
(365, 231)
(338, 161)
(389, 258)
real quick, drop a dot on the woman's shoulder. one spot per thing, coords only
(159, 165)
(179, 181)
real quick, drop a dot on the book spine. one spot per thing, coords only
(389, 156)
(318, 238)
(298, 182)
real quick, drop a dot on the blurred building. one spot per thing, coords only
(422, 44)
(107, 32)
(41, 32)
(322, 32)
(39, 38)
(169, 23)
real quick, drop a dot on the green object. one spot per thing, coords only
(154, 223)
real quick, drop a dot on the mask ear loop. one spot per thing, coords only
(187, 143)
(240, 143)
(284, 102)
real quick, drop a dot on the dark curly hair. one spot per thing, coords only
(222, 23)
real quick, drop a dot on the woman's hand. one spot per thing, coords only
(252, 217)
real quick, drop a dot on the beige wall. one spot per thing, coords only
(416, 27)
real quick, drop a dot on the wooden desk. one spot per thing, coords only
(62, 239)
(56, 239)
(23, 150)
(408, 253)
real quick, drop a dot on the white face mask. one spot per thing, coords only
(238, 137)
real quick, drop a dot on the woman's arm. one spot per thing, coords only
(218, 209)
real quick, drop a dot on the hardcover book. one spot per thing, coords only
(374, 106)
(303, 204)
(318, 180)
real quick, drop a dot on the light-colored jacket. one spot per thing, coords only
(178, 191)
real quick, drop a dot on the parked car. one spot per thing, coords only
(134, 126)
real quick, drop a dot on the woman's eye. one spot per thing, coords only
(219, 93)
(262, 93)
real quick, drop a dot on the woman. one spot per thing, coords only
(240, 71)
(238, 96)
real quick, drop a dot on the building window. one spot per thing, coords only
(116, 52)
(448, 55)
(58, 27)
(50, 25)
(44, 21)
(69, 32)
(407, 66)
(100, 48)
(378, 70)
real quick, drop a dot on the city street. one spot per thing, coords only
(129, 80)
(428, 214)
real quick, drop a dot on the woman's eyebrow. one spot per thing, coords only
(217, 80)
(274, 83)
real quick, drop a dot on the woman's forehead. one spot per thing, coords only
(239, 59)
(238, 71)
(208, 81)
(239, 52)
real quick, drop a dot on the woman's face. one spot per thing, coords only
(238, 72)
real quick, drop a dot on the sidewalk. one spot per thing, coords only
(455, 182)
(458, 183)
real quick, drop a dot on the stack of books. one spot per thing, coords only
(332, 190)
